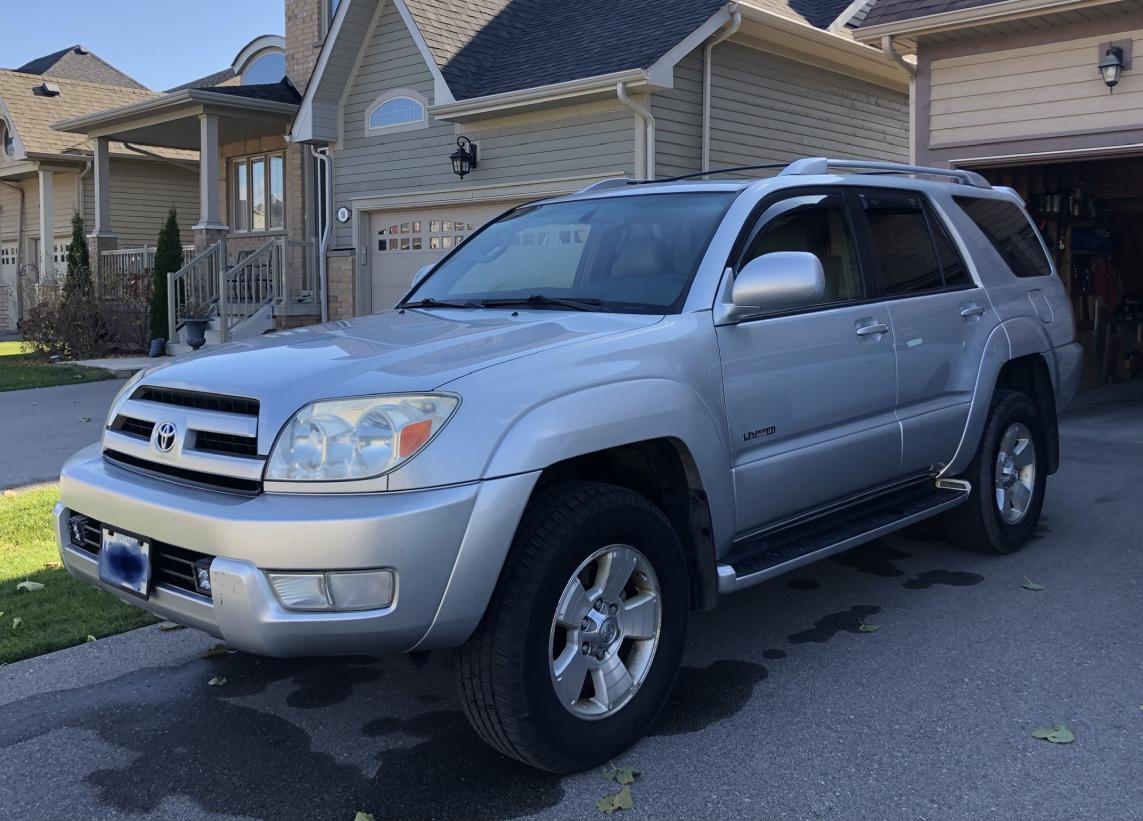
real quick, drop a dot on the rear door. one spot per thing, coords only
(941, 320)
(810, 393)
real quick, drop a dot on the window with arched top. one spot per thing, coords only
(7, 141)
(265, 69)
(398, 111)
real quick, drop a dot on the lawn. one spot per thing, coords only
(19, 370)
(64, 612)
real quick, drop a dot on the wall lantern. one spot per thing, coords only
(1111, 67)
(464, 158)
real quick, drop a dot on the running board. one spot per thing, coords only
(781, 551)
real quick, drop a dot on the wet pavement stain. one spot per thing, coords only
(803, 584)
(953, 578)
(705, 695)
(875, 558)
(773, 655)
(831, 624)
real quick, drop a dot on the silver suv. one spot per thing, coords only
(599, 412)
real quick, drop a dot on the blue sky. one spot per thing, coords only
(140, 37)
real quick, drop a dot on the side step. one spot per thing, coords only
(779, 551)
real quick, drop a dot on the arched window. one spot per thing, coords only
(7, 140)
(265, 69)
(397, 110)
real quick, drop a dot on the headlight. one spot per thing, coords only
(359, 438)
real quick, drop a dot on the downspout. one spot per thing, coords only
(19, 249)
(894, 55)
(910, 69)
(322, 156)
(79, 187)
(725, 34)
(644, 114)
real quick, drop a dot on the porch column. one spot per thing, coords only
(47, 262)
(210, 227)
(102, 237)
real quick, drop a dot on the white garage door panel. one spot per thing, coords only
(405, 241)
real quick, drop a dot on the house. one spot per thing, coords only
(1042, 96)
(46, 175)
(541, 97)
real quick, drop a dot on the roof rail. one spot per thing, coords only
(613, 182)
(817, 166)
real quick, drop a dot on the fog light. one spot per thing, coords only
(364, 590)
(202, 576)
(301, 591)
(75, 529)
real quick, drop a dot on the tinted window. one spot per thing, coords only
(952, 265)
(905, 255)
(1010, 233)
(819, 224)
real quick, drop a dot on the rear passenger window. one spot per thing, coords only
(901, 243)
(1011, 234)
(952, 265)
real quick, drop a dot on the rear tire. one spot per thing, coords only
(1008, 476)
(527, 688)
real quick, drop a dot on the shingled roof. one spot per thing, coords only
(890, 11)
(77, 63)
(488, 47)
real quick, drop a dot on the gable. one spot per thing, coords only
(77, 63)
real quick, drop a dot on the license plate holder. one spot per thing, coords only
(125, 562)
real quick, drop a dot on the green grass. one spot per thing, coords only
(19, 370)
(65, 612)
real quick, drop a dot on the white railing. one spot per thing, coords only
(250, 285)
(121, 270)
(194, 288)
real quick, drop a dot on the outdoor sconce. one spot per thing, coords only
(1111, 67)
(464, 158)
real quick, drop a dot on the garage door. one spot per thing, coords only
(404, 241)
(7, 287)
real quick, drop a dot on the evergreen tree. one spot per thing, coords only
(168, 258)
(78, 278)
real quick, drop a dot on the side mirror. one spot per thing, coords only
(419, 277)
(779, 281)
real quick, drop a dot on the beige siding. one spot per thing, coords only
(767, 108)
(678, 120)
(511, 150)
(141, 194)
(1030, 92)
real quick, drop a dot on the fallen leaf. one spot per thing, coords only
(1059, 734)
(52, 565)
(16, 622)
(862, 627)
(30, 587)
(217, 650)
(170, 625)
(621, 775)
(363, 816)
(217, 681)
(621, 800)
(85, 419)
(91, 638)
(1031, 585)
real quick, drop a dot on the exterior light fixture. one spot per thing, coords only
(1111, 67)
(464, 158)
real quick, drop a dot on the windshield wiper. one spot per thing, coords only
(429, 302)
(543, 299)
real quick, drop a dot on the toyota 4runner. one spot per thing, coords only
(599, 412)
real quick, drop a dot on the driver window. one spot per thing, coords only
(819, 224)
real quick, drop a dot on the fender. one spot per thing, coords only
(1009, 340)
(623, 413)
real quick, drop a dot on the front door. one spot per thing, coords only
(405, 241)
(810, 393)
(8, 290)
(941, 322)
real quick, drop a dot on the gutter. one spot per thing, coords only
(185, 166)
(707, 67)
(648, 119)
(323, 156)
(891, 52)
(165, 102)
(601, 83)
(992, 13)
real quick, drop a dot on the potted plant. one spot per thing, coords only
(193, 320)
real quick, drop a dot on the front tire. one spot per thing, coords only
(583, 637)
(1008, 476)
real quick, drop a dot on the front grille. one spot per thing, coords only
(133, 427)
(171, 566)
(197, 400)
(209, 481)
(226, 443)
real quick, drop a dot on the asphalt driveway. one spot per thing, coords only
(783, 710)
(42, 427)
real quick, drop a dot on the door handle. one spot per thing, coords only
(870, 330)
(969, 310)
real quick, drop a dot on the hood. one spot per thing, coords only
(390, 352)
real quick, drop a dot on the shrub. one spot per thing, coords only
(168, 258)
(69, 325)
(78, 262)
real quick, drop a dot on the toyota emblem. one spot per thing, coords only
(165, 436)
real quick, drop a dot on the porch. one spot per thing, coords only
(250, 267)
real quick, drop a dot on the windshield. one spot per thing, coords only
(633, 254)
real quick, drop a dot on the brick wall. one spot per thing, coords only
(7, 309)
(340, 279)
(305, 28)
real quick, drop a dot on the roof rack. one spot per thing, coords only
(818, 166)
(613, 182)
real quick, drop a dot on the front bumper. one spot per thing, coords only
(446, 546)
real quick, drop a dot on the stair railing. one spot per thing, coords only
(249, 286)
(195, 286)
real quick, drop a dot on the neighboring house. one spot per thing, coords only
(1019, 91)
(46, 175)
(553, 95)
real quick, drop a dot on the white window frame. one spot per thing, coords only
(389, 96)
(232, 179)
